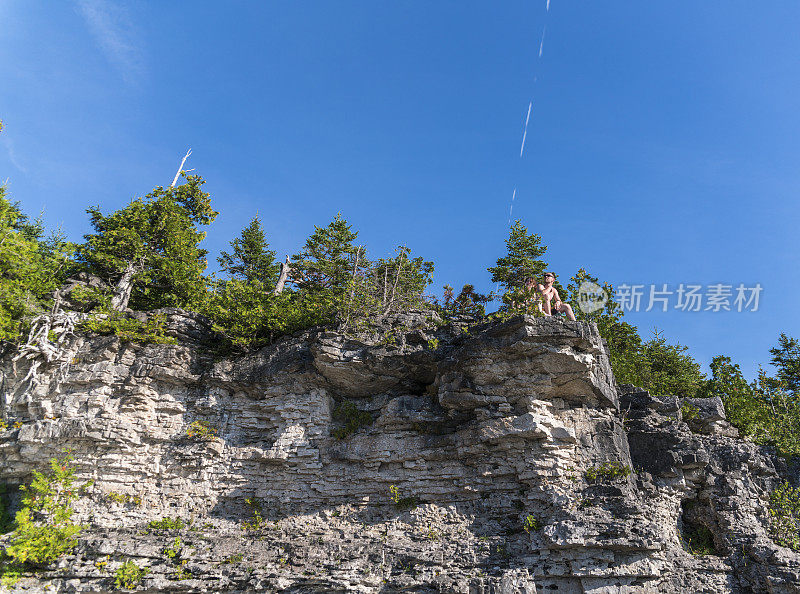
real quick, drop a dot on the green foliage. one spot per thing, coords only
(174, 551)
(250, 315)
(44, 529)
(251, 259)
(784, 515)
(608, 471)
(468, 301)
(237, 558)
(201, 431)
(167, 523)
(9, 575)
(655, 365)
(689, 412)
(761, 410)
(257, 521)
(786, 358)
(31, 268)
(522, 260)
(698, 540)
(90, 298)
(326, 261)
(332, 282)
(433, 343)
(351, 418)
(124, 498)
(531, 523)
(154, 241)
(400, 502)
(394, 284)
(129, 575)
(606, 316)
(128, 328)
(173, 555)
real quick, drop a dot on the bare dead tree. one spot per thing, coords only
(394, 286)
(178, 174)
(285, 270)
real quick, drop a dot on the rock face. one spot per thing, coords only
(493, 458)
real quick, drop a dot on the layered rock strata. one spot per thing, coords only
(493, 457)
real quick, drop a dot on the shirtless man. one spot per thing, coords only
(549, 293)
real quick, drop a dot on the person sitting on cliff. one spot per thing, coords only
(549, 293)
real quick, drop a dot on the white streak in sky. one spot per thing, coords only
(525, 133)
(12, 154)
(511, 208)
(548, 5)
(111, 27)
(541, 43)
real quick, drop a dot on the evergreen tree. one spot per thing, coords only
(251, 259)
(31, 267)
(786, 357)
(399, 282)
(149, 249)
(522, 261)
(328, 258)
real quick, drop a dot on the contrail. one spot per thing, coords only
(525, 133)
(541, 43)
(548, 5)
(511, 208)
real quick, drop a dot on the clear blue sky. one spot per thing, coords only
(663, 145)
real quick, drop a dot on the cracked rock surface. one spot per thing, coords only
(475, 468)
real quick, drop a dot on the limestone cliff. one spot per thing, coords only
(493, 458)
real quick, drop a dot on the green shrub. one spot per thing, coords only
(784, 514)
(129, 575)
(9, 575)
(44, 529)
(257, 520)
(400, 502)
(531, 523)
(201, 431)
(89, 297)
(124, 498)
(762, 410)
(607, 471)
(351, 418)
(698, 540)
(689, 412)
(130, 329)
(167, 523)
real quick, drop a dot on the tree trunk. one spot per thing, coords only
(122, 292)
(285, 270)
(177, 175)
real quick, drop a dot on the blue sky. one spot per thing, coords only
(663, 144)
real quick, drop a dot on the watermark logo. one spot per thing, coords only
(591, 297)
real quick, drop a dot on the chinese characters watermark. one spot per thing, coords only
(663, 297)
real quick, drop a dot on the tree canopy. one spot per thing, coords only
(149, 249)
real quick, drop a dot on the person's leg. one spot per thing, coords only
(567, 309)
(546, 305)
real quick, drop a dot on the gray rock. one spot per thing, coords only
(486, 466)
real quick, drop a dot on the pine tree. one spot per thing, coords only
(786, 357)
(149, 249)
(522, 260)
(328, 258)
(251, 260)
(31, 267)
